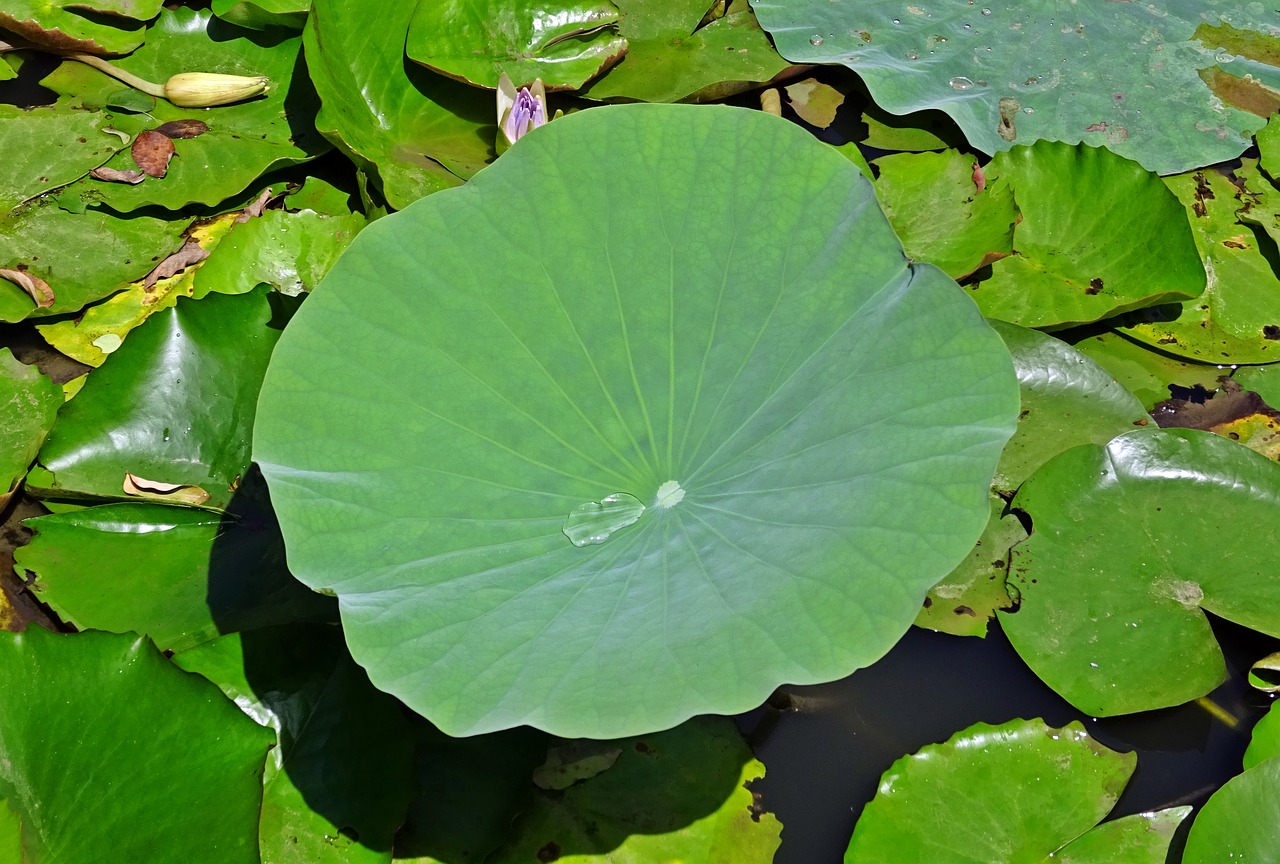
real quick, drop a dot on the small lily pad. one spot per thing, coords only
(31, 402)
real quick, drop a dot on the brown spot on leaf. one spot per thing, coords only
(1236, 242)
(1095, 286)
(1141, 422)
(549, 852)
(1097, 127)
(36, 288)
(151, 152)
(183, 128)
(1243, 93)
(1271, 331)
(1009, 108)
(965, 610)
(979, 177)
(115, 175)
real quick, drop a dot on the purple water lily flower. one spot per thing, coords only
(520, 110)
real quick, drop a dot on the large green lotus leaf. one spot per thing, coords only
(1123, 75)
(49, 146)
(174, 405)
(173, 769)
(1067, 400)
(469, 793)
(563, 42)
(670, 58)
(83, 257)
(31, 402)
(1228, 323)
(338, 783)
(1145, 370)
(1098, 236)
(244, 141)
(496, 378)
(941, 215)
(263, 14)
(1241, 821)
(109, 27)
(1265, 741)
(1129, 543)
(679, 795)
(291, 252)
(180, 576)
(1019, 791)
(415, 132)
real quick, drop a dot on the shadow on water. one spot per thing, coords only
(825, 746)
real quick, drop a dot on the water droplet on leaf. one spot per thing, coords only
(961, 83)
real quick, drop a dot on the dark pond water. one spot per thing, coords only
(825, 753)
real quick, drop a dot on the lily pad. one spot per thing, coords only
(180, 576)
(565, 42)
(1263, 380)
(425, 472)
(1241, 821)
(151, 745)
(338, 783)
(48, 147)
(1228, 323)
(1143, 838)
(944, 211)
(31, 402)
(1268, 140)
(1130, 542)
(1150, 374)
(670, 58)
(174, 405)
(1017, 72)
(413, 131)
(679, 795)
(110, 27)
(1098, 236)
(83, 257)
(915, 133)
(1020, 791)
(1264, 742)
(263, 14)
(244, 140)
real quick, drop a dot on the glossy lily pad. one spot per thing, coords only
(263, 14)
(679, 795)
(244, 140)
(1130, 543)
(1263, 380)
(1238, 823)
(1098, 236)
(1132, 77)
(1264, 743)
(1229, 322)
(414, 132)
(1145, 370)
(31, 402)
(563, 42)
(669, 57)
(337, 784)
(944, 211)
(425, 472)
(174, 405)
(180, 576)
(92, 26)
(153, 746)
(47, 147)
(1020, 791)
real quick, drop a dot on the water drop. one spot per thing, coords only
(815, 40)
(986, 11)
(896, 21)
(592, 523)
(911, 55)
(968, 27)
(961, 83)
(1224, 57)
(1028, 110)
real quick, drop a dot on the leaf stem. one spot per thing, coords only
(116, 72)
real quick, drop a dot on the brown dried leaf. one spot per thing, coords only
(152, 152)
(183, 128)
(255, 209)
(115, 175)
(189, 254)
(39, 289)
(158, 490)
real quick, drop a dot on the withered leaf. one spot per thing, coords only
(39, 289)
(115, 175)
(254, 210)
(152, 152)
(159, 490)
(183, 128)
(189, 254)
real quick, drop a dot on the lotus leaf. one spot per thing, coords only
(150, 745)
(1145, 80)
(1229, 322)
(565, 43)
(174, 405)
(790, 414)
(1020, 791)
(112, 27)
(1129, 543)
(670, 58)
(337, 784)
(180, 576)
(413, 132)
(1097, 236)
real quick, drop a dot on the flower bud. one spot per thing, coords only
(206, 89)
(520, 111)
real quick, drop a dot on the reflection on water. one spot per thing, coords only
(825, 746)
